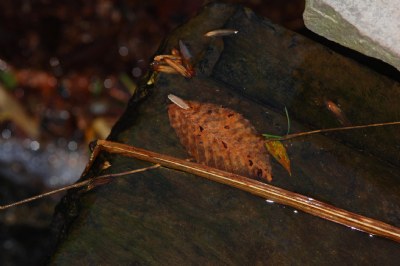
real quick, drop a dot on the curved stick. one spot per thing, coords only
(263, 190)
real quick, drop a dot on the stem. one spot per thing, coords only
(288, 121)
(301, 134)
(266, 191)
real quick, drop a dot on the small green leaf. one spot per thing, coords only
(8, 79)
(269, 136)
(288, 121)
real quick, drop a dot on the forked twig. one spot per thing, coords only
(266, 191)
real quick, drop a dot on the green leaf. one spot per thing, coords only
(8, 79)
(269, 136)
(288, 121)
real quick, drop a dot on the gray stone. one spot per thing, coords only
(369, 26)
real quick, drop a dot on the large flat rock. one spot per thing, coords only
(173, 218)
(369, 26)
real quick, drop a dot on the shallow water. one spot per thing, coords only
(50, 164)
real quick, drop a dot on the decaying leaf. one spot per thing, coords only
(278, 151)
(221, 138)
(276, 148)
(178, 62)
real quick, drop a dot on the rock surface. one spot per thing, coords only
(172, 218)
(371, 27)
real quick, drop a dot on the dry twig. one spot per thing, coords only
(266, 191)
(279, 195)
(90, 183)
(301, 134)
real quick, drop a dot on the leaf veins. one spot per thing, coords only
(222, 138)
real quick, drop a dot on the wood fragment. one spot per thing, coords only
(178, 67)
(169, 56)
(337, 112)
(165, 69)
(178, 101)
(221, 32)
(175, 51)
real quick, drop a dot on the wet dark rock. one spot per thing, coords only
(167, 217)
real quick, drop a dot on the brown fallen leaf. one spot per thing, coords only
(222, 138)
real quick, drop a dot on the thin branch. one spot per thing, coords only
(266, 191)
(93, 182)
(301, 134)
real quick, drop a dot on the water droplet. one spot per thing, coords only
(26, 143)
(108, 83)
(64, 114)
(86, 38)
(54, 61)
(269, 201)
(34, 145)
(6, 134)
(72, 145)
(3, 66)
(123, 51)
(136, 72)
